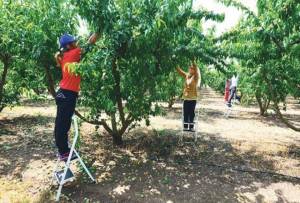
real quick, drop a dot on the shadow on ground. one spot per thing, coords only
(24, 140)
(154, 166)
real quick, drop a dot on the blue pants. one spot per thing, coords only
(189, 112)
(66, 103)
(232, 94)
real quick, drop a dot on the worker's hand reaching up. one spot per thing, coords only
(93, 39)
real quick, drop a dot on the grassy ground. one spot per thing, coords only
(238, 159)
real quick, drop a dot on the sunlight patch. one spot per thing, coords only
(120, 189)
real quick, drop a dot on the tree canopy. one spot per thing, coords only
(141, 44)
(130, 70)
(266, 46)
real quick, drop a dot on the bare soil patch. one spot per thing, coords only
(244, 158)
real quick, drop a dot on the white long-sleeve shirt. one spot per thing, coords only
(234, 81)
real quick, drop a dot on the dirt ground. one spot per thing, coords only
(243, 158)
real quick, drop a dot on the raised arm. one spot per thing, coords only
(181, 72)
(93, 39)
(89, 46)
(199, 77)
(58, 57)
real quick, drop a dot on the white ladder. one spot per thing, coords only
(66, 175)
(229, 110)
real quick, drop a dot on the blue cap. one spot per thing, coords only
(65, 40)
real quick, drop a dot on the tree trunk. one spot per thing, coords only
(113, 131)
(284, 120)
(2, 82)
(117, 90)
(50, 80)
(116, 135)
(277, 109)
(261, 109)
(263, 104)
(117, 139)
(171, 102)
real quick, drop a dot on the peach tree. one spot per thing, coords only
(28, 40)
(267, 45)
(141, 44)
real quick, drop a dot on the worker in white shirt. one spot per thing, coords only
(233, 86)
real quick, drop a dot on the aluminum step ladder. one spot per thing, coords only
(229, 109)
(65, 175)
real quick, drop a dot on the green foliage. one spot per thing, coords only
(266, 45)
(15, 32)
(131, 68)
(28, 40)
(171, 88)
(141, 44)
(216, 80)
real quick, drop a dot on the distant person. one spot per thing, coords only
(192, 79)
(227, 90)
(67, 94)
(233, 88)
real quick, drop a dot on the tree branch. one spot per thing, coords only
(128, 121)
(49, 77)
(295, 42)
(278, 112)
(3, 77)
(284, 120)
(113, 122)
(117, 90)
(77, 113)
(93, 122)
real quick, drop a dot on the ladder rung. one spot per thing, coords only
(59, 176)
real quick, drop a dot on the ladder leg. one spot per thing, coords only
(58, 192)
(181, 136)
(61, 183)
(182, 124)
(73, 149)
(196, 131)
(196, 125)
(227, 112)
(67, 165)
(84, 166)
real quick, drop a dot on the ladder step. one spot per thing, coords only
(188, 131)
(59, 176)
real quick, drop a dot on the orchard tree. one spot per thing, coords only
(50, 19)
(267, 45)
(15, 31)
(141, 43)
(28, 40)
